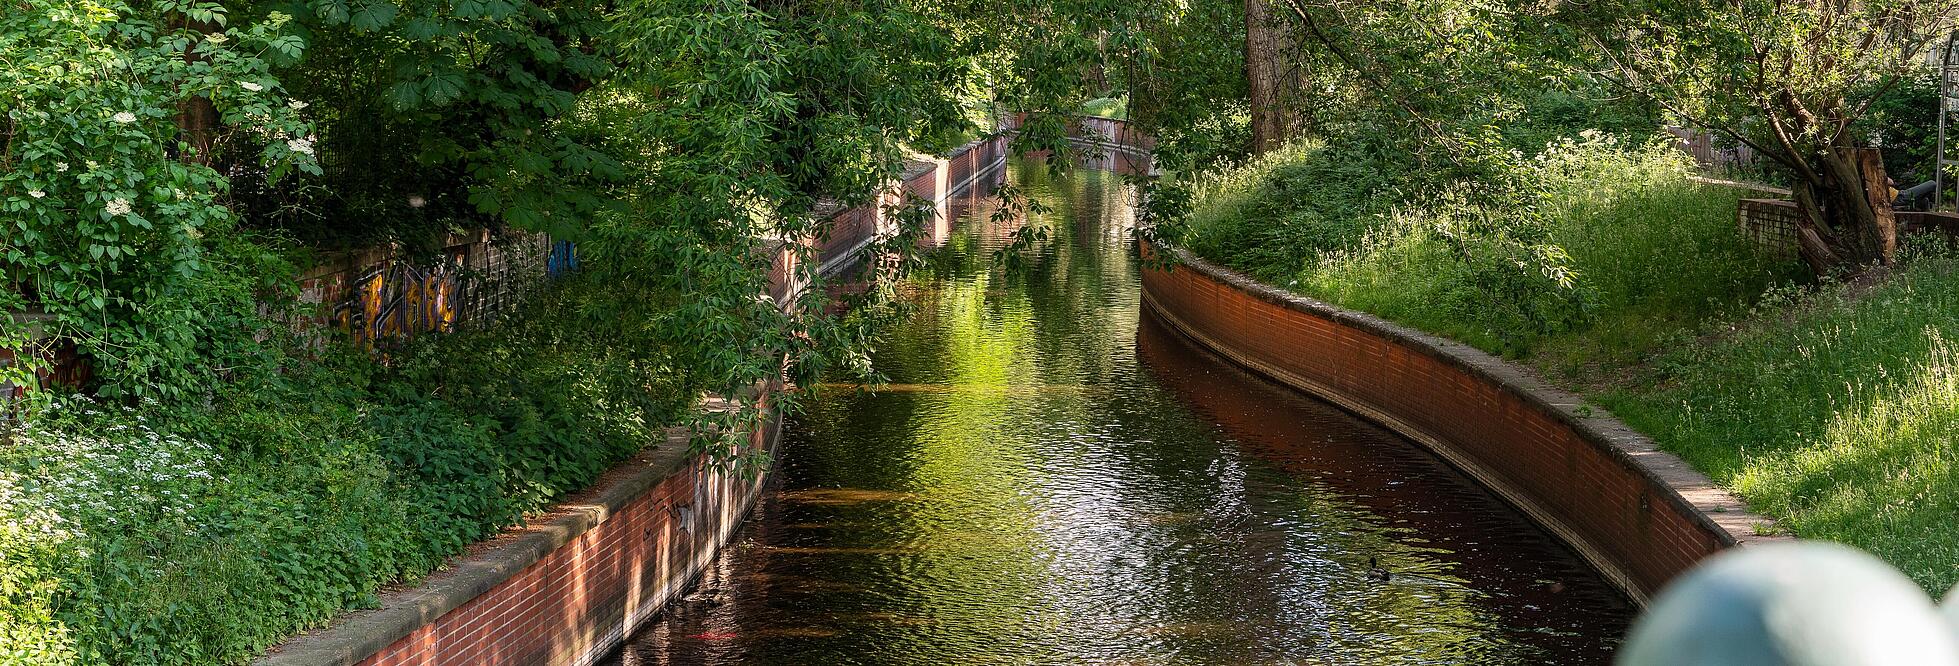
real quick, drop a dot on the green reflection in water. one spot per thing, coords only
(1051, 478)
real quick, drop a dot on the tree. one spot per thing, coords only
(1789, 79)
(1275, 75)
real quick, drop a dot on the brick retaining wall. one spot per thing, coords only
(566, 588)
(1637, 514)
(570, 586)
(1769, 224)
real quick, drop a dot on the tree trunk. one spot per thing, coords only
(1847, 215)
(197, 118)
(1275, 76)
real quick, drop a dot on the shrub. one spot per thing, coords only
(203, 533)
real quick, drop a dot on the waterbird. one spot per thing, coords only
(1375, 572)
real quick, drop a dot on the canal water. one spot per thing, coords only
(1053, 477)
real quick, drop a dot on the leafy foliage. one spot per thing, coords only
(1584, 260)
(166, 164)
(117, 234)
(183, 533)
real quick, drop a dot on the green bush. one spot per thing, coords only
(204, 533)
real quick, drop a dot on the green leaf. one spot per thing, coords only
(373, 15)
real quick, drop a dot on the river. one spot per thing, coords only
(1053, 477)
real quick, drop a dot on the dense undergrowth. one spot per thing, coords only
(1831, 408)
(1597, 247)
(204, 532)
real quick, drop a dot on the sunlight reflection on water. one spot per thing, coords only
(1054, 478)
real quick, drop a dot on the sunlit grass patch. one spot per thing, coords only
(1107, 107)
(1645, 252)
(1834, 410)
(1837, 414)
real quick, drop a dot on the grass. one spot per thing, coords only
(1833, 408)
(1836, 413)
(1114, 108)
(1615, 222)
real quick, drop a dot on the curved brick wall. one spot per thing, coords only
(1639, 515)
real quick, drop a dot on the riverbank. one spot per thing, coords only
(202, 530)
(1053, 477)
(1827, 407)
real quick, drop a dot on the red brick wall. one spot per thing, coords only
(581, 599)
(936, 181)
(1598, 486)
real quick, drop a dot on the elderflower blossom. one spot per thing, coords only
(118, 207)
(216, 38)
(248, 85)
(125, 117)
(36, 193)
(297, 105)
(61, 167)
(301, 146)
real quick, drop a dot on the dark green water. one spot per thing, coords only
(1054, 478)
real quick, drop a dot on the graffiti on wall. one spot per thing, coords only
(378, 295)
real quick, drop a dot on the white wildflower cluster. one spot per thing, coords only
(33, 521)
(216, 38)
(301, 146)
(296, 105)
(118, 207)
(124, 117)
(118, 476)
(36, 193)
(248, 85)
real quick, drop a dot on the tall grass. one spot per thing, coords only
(1836, 412)
(1834, 409)
(1116, 108)
(1606, 250)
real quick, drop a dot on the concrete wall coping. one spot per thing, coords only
(355, 636)
(1719, 511)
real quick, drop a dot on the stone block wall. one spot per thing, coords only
(382, 292)
(1770, 224)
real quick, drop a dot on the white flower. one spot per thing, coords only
(61, 167)
(92, 165)
(248, 85)
(125, 117)
(297, 105)
(301, 146)
(118, 207)
(216, 38)
(417, 201)
(36, 193)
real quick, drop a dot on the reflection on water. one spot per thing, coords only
(1054, 478)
